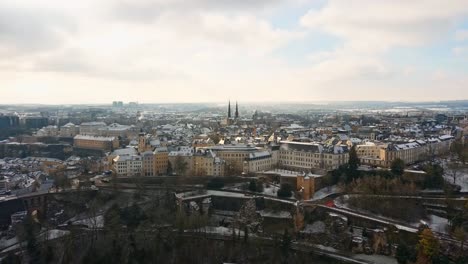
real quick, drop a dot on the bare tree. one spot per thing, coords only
(453, 171)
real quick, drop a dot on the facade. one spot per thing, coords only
(117, 130)
(48, 131)
(181, 161)
(234, 155)
(383, 155)
(7, 121)
(69, 130)
(96, 142)
(128, 165)
(35, 122)
(258, 161)
(205, 163)
(161, 161)
(302, 156)
(91, 128)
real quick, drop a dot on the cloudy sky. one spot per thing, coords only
(89, 51)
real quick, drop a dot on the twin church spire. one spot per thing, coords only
(236, 115)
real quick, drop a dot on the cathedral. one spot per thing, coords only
(230, 119)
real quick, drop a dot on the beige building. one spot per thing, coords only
(91, 128)
(205, 163)
(128, 165)
(161, 161)
(117, 130)
(259, 161)
(181, 161)
(304, 156)
(188, 162)
(69, 130)
(384, 154)
(95, 142)
(234, 155)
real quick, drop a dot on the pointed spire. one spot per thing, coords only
(229, 109)
(237, 110)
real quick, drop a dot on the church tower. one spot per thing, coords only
(237, 111)
(229, 109)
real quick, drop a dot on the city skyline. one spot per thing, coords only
(268, 51)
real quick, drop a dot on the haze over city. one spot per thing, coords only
(61, 52)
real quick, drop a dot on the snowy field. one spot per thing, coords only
(461, 179)
(271, 190)
(324, 192)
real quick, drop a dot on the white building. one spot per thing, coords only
(69, 130)
(128, 165)
(91, 128)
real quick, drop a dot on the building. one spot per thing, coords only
(35, 122)
(128, 165)
(258, 161)
(181, 161)
(232, 119)
(7, 121)
(117, 130)
(234, 155)
(160, 160)
(117, 104)
(305, 156)
(205, 163)
(95, 142)
(48, 131)
(155, 158)
(379, 154)
(69, 130)
(91, 128)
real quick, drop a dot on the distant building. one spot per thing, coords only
(91, 128)
(96, 142)
(69, 130)
(33, 122)
(117, 130)
(117, 104)
(9, 121)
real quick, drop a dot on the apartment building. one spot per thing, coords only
(306, 156)
(128, 165)
(95, 142)
(259, 161)
(379, 154)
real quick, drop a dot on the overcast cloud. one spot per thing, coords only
(205, 50)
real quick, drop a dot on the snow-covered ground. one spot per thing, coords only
(318, 227)
(93, 222)
(378, 259)
(271, 190)
(324, 192)
(461, 178)
(438, 224)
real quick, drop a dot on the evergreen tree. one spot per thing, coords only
(285, 245)
(253, 185)
(285, 190)
(353, 165)
(405, 254)
(397, 167)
